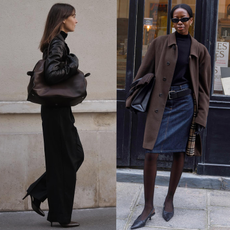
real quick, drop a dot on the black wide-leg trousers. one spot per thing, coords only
(64, 155)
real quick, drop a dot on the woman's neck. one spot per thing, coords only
(182, 35)
(63, 34)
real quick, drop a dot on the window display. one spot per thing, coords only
(155, 21)
(122, 38)
(222, 63)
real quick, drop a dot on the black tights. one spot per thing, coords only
(150, 170)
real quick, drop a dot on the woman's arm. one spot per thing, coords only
(204, 87)
(148, 62)
(58, 69)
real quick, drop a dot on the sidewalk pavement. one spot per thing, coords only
(195, 208)
(89, 219)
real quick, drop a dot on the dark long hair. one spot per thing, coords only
(56, 15)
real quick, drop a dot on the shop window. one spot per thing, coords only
(122, 38)
(155, 21)
(222, 61)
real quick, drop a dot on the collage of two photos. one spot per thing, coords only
(114, 114)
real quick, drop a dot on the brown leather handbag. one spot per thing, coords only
(67, 93)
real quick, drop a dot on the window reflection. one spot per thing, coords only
(122, 38)
(155, 21)
(222, 63)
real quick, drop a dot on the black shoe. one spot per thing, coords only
(141, 223)
(69, 225)
(35, 204)
(167, 215)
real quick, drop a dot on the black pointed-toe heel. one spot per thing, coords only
(167, 215)
(25, 196)
(35, 204)
(69, 225)
(141, 223)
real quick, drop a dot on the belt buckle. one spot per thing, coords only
(169, 94)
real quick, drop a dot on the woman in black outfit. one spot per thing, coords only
(63, 150)
(182, 69)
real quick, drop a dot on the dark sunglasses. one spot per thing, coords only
(176, 20)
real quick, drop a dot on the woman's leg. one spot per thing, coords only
(38, 189)
(176, 171)
(150, 170)
(64, 155)
(38, 193)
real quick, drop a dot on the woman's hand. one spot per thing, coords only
(199, 129)
(73, 59)
(73, 63)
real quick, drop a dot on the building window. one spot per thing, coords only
(222, 61)
(122, 39)
(155, 21)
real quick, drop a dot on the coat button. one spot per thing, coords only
(156, 111)
(168, 63)
(164, 79)
(160, 95)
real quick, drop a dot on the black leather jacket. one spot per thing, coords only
(60, 64)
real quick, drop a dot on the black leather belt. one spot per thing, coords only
(180, 93)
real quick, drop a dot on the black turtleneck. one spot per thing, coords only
(181, 74)
(63, 34)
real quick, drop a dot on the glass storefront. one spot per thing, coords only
(155, 21)
(222, 62)
(122, 38)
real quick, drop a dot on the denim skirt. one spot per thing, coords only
(175, 125)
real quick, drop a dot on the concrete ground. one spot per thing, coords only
(89, 219)
(195, 208)
(201, 203)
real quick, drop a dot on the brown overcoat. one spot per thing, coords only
(161, 59)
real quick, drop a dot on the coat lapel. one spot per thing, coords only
(172, 39)
(194, 47)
